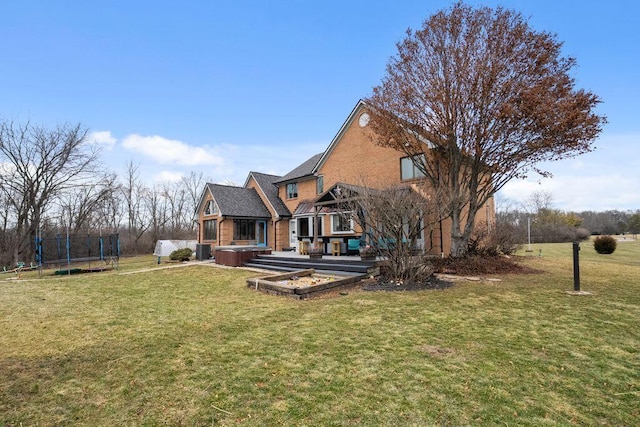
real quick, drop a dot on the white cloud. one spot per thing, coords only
(103, 138)
(168, 176)
(168, 151)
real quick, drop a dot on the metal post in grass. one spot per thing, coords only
(576, 266)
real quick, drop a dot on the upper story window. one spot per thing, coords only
(408, 169)
(292, 190)
(320, 184)
(211, 208)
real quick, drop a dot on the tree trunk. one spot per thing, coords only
(458, 244)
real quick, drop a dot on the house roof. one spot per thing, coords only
(238, 201)
(343, 192)
(305, 169)
(267, 184)
(307, 207)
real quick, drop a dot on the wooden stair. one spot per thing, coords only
(333, 265)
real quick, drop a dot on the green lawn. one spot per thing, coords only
(194, 346)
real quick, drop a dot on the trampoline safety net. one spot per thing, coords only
(63, 248)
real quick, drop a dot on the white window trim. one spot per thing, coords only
(334, 232)
(214, 207)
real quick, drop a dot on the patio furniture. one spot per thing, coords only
(353, 245)
(335, 248)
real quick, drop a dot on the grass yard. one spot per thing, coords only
(194, 346)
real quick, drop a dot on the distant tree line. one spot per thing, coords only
(549, 225)
(52, 181)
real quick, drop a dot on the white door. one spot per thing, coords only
(293, 237)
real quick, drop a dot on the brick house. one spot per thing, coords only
(279, 211)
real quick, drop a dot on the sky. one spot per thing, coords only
(227, 87)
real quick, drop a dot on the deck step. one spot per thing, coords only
(346, 266)
(280, 268)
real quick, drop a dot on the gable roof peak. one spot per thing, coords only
(360, 105)
(304, 170)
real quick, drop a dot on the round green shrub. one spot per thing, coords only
(604, 244)
(183, 254)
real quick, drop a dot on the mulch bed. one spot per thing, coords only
(469, 266)
(477, 266)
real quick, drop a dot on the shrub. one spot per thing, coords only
(503, 239)
(183, 254)
(604, 244)
(582, 234)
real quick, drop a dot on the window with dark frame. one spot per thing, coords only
(320, 184)
(244, 229)
(210, 229)
(292, 190)
(408, 168)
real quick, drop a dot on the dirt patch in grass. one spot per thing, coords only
(476, 265)
(435, 351)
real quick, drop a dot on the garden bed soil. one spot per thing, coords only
(481, 265)
(302, 284)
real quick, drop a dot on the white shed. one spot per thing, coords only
(165, 247)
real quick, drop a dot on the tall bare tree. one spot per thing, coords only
(36, 166)
(476, 98)
(176, 199)
(134, 193)
(81, 210)
(194, 183)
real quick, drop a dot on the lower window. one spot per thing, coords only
(341, 223)
(210, 229)
(244, 229)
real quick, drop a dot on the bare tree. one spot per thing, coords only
(7, 225)
(111, 210)
(194, 183)
(176, 198)
(156, 212)
(476, 98)
(393, 221)
(132, 189)
(80, 209)
(539, 201)
(37, 165)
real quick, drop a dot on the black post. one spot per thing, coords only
(576, 266)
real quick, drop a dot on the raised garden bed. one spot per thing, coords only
(301, 284)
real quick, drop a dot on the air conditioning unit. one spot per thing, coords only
(203, 252)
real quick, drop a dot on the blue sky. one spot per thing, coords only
(226, 87)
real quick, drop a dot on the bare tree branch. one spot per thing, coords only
(485, 98)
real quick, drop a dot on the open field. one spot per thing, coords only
(194, 346)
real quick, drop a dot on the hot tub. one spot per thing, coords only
(235, 256)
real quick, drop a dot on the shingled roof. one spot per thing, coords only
(268, 185)
(305, 169)
(238, 201)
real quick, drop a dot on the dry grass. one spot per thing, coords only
(194, 346)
